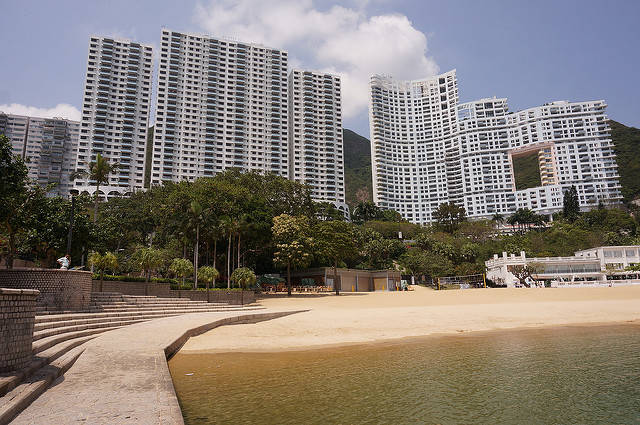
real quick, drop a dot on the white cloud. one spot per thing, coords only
(61, 110)
(342, 40)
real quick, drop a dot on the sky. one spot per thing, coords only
(530, 52)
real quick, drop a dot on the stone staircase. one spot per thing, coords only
(59, 337)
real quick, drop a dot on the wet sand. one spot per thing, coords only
(371, 317)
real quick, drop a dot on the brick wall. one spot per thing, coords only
(59, 289)
(17, 317)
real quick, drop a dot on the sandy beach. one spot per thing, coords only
(371, 317)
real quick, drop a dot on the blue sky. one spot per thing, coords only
(529, 52)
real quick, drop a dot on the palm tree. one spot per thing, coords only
(230, 227)
(99, 171)
(196, 211)
(498, 218)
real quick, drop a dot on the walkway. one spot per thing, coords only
(123, 377)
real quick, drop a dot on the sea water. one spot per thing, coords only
(564, 375)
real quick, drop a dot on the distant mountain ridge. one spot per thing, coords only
(357, 163)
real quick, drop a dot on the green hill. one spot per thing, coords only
(357, 167)
(357, 163)
(627, 149)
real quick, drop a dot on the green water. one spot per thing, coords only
(573, 375)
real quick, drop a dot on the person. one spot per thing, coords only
(64, 262)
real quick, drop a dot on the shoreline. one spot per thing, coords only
(376, 318)
(417, 338)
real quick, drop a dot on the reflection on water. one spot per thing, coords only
(577, 375)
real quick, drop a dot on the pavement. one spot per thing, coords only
(123, 378)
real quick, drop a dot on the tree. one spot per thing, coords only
(335, 241)
(102, 262)
(293, 243)
(497, 218)
(449, 216)
(570, 204)
(98, 171)
(13, 193)
(148, 260)
(525, 218)
(419, 263)
(376, 251)
(244, 277)
(365, 211)
(633, 268)
(182, 268)
(22, 218)
(196, 211)
(209, 274)
(327, 211)
(524, 272)
(391, 216)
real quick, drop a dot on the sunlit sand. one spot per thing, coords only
(369, 317)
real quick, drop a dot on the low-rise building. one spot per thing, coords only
(595, 266)
(350, 280)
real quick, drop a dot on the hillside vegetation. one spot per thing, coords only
(357, 168)
(627, 149)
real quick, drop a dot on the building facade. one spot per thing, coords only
(47, 145)
(115, 113)
(596, 266)
(412, 124)
(427, 149)
(315, 135)
(221, 104)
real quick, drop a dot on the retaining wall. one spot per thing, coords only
(218, 296)
(17, 317)
(59, 289)
(163, 290)
(133, 288)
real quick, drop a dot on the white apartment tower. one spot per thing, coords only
(315, 135)
(412, 124)
(48, 147)
(221, 104)
(115, 112)
(427, 150)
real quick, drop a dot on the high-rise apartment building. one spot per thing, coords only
(115, 112)
(427, 150)
(412, 124)
(220, 104)
(48, 147)
(315, 135)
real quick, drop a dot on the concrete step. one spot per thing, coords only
(10, 380)
(163, 307)
(86, 321)
(24, 394)
(46, 333)
(163, 303)
(70, 315)
(45, 343)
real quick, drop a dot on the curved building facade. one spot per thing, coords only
(414, 156)
(427, 149)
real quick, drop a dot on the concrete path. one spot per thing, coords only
(123, 378)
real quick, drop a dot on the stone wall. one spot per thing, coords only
(59, 289)
(17, 317)
(163, 290)
(133, 288)
(218, 296)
